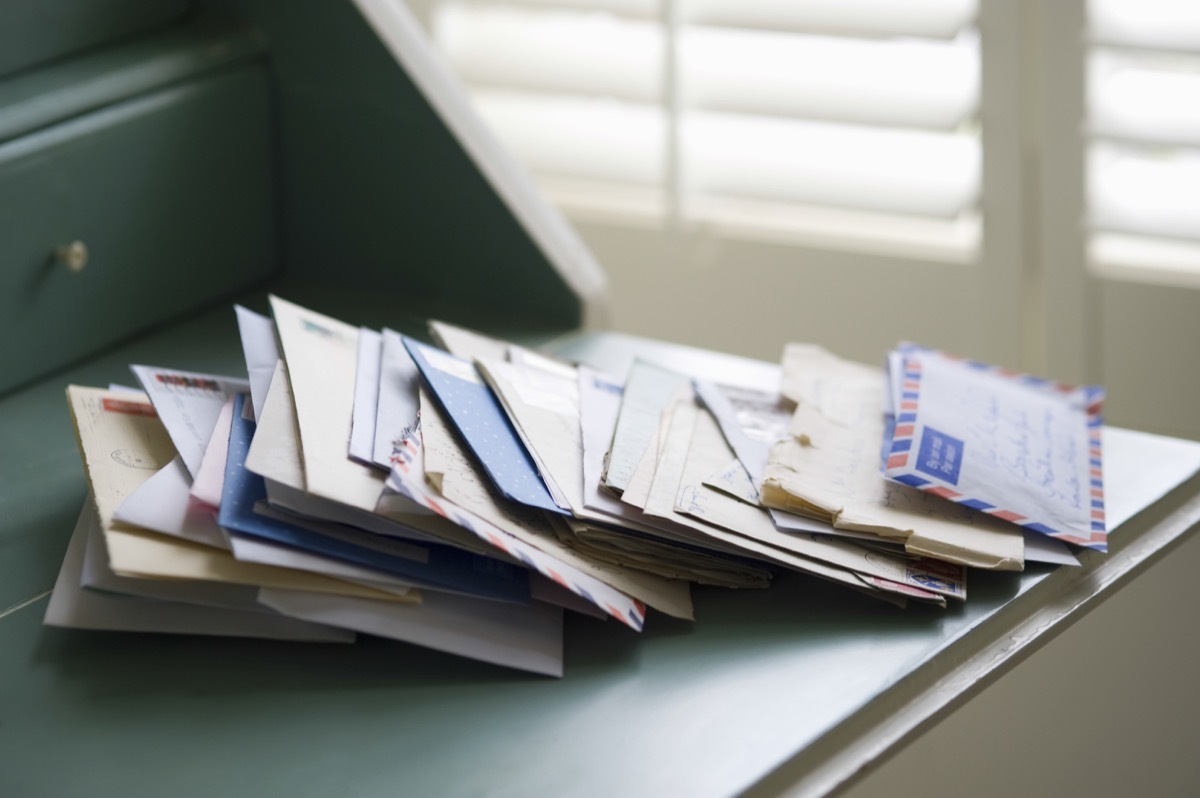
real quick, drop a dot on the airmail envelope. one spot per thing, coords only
(1017, 447)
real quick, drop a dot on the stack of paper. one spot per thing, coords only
(840, 446)
(463, 497)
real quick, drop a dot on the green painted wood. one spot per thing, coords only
(172, 194)
(36, 31)
(375, 188)
(684, 709)
(44, 97)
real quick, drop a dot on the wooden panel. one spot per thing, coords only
(171, 194)
(36, 31)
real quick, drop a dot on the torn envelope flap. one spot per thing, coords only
(829, 384)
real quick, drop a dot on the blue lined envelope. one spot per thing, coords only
(1017, 447)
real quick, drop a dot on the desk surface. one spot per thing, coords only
(797, 687)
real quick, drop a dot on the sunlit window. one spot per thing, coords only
(844, 118)
(1144, 134)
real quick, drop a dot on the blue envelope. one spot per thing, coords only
(430, 565)
(481, 421)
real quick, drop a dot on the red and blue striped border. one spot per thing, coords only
(902, 443)
(906, 415)
(628, 610)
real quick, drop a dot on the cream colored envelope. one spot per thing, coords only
(123, 443)
(708, 448)
(73, 607)
(668, 478)
(322, 356)
(462, 483)
(275, 455)
(829, 470)
(138, 553)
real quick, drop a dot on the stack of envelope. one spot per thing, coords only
(845, 463)
(464, 496)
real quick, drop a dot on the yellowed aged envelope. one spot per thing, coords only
(123, 443)
(829, 469)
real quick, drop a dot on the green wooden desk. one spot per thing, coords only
(798, 687)
(215, 149)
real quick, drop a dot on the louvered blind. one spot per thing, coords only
(859, 115)
(1143, 132)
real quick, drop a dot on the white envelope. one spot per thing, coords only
(366, 395)
(188, 403)
(122, 443)
(321, 355)
(164, 504)
(399, 380)
(544, 408)
(527, 637)
(275, 456)
(467, 344)
(71, 606)
(261, 352)
(1140, 468)
(209, 481)
(275, 451)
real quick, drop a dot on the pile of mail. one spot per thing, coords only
(463, 497)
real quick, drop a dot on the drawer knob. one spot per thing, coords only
(74, 255)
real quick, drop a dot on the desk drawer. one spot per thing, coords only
(169, 192)
(37, 31)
